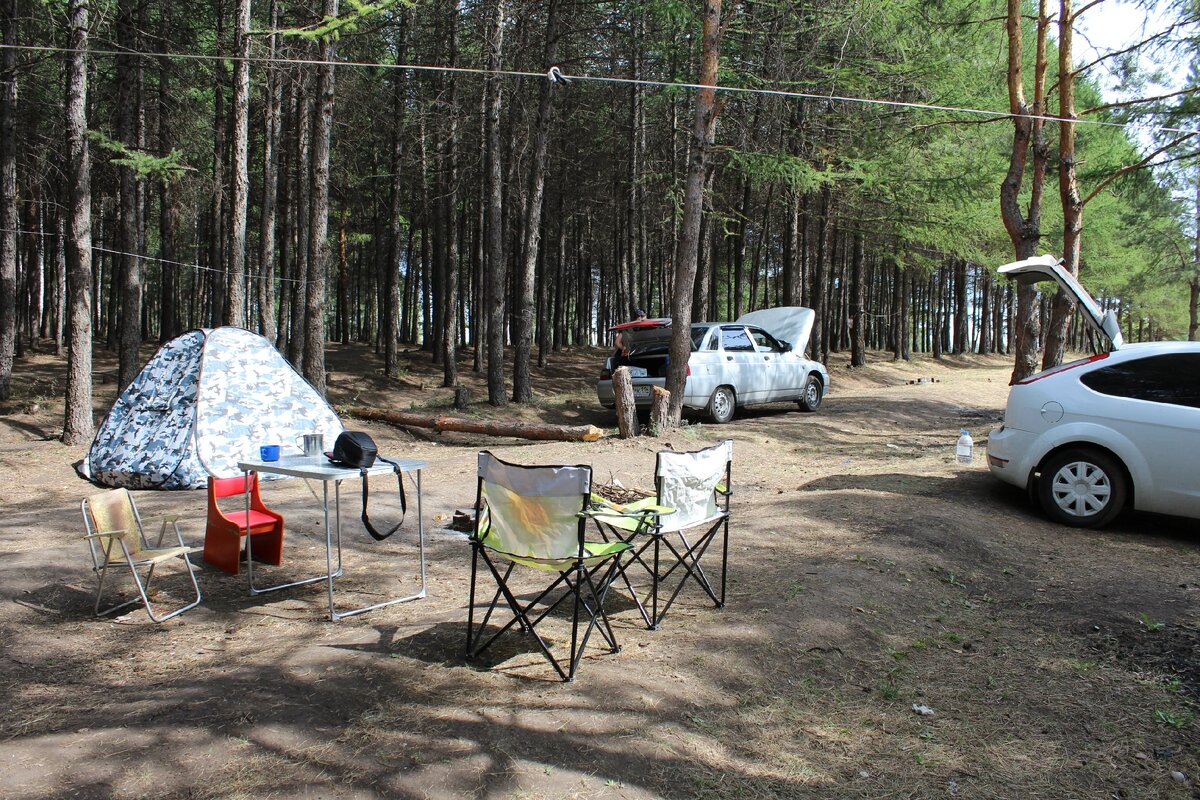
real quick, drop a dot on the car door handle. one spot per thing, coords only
(729, 358)
(766, 358)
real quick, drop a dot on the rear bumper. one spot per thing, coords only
(643, 392)
(1010, 455)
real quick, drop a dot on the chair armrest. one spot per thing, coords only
(162, 518)
(99, 534)
(600, 500)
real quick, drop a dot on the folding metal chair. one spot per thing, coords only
(689, 509)
(536, 517)
(116, 537)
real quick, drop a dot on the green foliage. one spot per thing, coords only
(778, 168)
(146, 165)
(346, 22)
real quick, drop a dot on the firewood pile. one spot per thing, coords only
(614, 492)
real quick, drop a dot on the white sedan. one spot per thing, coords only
(757, 359)
(1089, 438)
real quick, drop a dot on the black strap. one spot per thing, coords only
(375, 534)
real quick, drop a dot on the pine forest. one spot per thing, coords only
(497, 180)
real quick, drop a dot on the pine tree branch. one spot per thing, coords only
(1132, 167)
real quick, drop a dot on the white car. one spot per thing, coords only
(757, 359)
(1120, 429)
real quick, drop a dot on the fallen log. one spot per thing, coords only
(540, 431)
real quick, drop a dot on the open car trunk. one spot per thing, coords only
(1048, 268)
(647, 344)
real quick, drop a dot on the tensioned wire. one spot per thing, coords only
(555, 74)
(250, 276)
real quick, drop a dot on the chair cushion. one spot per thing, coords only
(257, 519)
(149, 555)
(596, 552)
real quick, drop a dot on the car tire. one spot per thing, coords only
(810, 396)
(1081, 487)
(721, 405)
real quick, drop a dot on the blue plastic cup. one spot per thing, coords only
(269, 452)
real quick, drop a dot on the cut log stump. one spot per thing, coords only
(660, 415)
(627, 422)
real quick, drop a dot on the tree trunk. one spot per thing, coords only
(129, 274)
(168, 209)
(496, 265)
(78, 427)
(449, 211)
(858, 340)
(8, 196)
(239, 178)
(216, 233)
(703, 127)
(390, 332)
(960, 307)
(1194, 298)
(1068, 189)
(539, 431)
(272, 112)
(660, 410)
(626, 406)
(523, 319)
(318, 247)
(1024, 230)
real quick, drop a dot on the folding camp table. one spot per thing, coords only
(318, 468)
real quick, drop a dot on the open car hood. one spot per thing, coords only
(1049, 268)
(791, 324)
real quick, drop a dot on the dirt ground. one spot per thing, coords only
(869, 572)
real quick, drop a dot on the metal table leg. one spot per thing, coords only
(334, 614)
(330, 573)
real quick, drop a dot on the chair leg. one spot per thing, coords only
(223, 550)
(187, 565)
(471, 600)
(102, 573)
(575, 652)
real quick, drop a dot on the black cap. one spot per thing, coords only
(638, 312)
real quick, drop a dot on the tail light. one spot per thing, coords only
(1083, 362)
(606, 374)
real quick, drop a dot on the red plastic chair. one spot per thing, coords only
(223, 536)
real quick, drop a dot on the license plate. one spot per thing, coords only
(637, 372)
(641, 391)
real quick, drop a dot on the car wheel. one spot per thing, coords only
(1081, 488)
(721, 405)
(810, 397)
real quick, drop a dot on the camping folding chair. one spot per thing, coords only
(689, 509)
(116, 538)
(536, 517)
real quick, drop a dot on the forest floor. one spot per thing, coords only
(868, 573)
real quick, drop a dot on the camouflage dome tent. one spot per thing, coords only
(206, 400)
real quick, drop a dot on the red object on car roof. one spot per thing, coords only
(659, 322)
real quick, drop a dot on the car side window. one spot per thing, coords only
(764, 342)
(734, 339)
(1158, 379)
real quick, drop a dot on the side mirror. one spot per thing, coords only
(787, 346)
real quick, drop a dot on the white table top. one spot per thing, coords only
(318, 467)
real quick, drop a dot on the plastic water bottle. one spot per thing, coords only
(965, 447)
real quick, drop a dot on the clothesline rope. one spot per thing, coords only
(555, 75)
